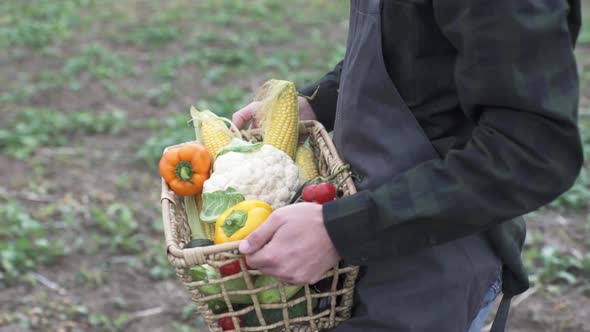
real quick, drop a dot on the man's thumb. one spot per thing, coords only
(258, 238)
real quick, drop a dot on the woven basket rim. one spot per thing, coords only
(181, 254)
(343, 276)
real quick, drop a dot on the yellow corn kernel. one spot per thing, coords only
(215, 135)
(305, 161)
(279, 115)
(209, 230)
(211, 130)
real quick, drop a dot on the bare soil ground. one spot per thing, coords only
(98, 288)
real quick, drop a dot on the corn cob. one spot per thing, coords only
(305, 161)
(279, 115)
(208, 229)
(212, 131)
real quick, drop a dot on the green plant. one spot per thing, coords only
(19, 90)
(168, 67)
(110, 323)
(554, 267)
(579, 195)
(216, 74)
(225, 102)
(584, 37)
(189, 314)
(157, 262)
(162, 94)
(96, 61)
(123, 182)
(36, 128)
(155, 35)
(41, 310)
(38, 24)
(550, 266)
(118, 228)
(233, 58)
(24, 244)
(175, 129)
(91, 277)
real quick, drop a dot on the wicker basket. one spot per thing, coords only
(335, 298)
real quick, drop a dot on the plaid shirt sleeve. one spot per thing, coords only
(324, 102)
(516, 77)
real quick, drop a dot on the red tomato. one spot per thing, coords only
(233, 267)
(308, 194)
(325, 192)
(319, 193)
(227, 323)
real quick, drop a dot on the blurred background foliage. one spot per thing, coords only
(91, 91)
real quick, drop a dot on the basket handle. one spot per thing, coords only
(316, 128)
(166, 200)
(197, 256)
(189, 256)
(192, 256)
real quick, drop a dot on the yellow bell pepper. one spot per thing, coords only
(237, 222)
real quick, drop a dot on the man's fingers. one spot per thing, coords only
(264, 260)
(241, 117)
(261, 235)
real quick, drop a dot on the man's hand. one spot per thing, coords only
(241, 117)
(292, 245)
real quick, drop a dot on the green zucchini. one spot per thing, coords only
(206, 272)
(273, 295)
(272, 316)
(195, 243)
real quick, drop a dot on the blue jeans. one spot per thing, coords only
(487, 305)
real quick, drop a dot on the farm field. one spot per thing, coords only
(91, 91)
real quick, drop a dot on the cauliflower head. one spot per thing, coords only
(267, 174)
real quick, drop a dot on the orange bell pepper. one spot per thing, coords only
(185, 168)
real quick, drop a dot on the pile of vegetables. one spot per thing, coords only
(230, 186)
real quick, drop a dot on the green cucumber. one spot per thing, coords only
(217, 306)
(195, 243)
(206, 272)
(273, 295)
(272, 316)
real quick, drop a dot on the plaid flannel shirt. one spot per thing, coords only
(494, 85)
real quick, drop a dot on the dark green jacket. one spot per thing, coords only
(494, 85)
